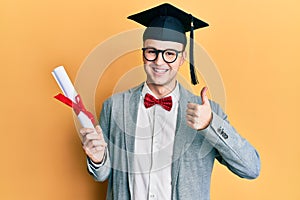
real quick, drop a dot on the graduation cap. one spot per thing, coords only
(168, 23)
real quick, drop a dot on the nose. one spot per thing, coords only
(159, 60)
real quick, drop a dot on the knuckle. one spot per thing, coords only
(87, 144)
(84, 141)
(94, 142)
(89, 136)
(98, 128)
(82, 131)
(102, 148)
(86, 150)
(104, 144)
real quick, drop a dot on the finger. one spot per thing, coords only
(204, 96)
(97, 149)
(99, 131)
(191, 124)
(190, 119)
(90, 137)
(90, 151)
(98, 128)
(192, 106)
(85, 131)
(192, 113)
(94, 150)
(94, 143)
(92, 140)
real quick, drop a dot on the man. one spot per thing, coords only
(157, 140)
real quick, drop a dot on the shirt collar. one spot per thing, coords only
(175, 94)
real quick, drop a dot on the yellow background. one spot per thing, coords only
(255, 45)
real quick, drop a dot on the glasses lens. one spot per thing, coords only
(150, 54)
(169, 55)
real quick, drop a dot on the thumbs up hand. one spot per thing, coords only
(199, 116)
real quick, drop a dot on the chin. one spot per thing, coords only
(159, 83)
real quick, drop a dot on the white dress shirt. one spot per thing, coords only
(154, 140)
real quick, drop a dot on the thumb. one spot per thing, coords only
(98, 130)
(204, 97)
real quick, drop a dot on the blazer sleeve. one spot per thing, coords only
(101, 172)
(233, 150)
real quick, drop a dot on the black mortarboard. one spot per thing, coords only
(168, 23)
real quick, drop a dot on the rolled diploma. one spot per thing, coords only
(69, 91)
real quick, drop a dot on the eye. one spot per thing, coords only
(170, 53)
(151, 51)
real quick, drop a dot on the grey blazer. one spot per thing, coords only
(193, 154)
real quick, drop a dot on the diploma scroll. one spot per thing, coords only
(72, 98)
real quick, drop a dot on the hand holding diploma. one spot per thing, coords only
(93, 143)
(92, 138)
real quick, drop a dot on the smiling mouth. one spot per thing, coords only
(160, 70)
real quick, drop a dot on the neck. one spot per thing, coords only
(161, 91)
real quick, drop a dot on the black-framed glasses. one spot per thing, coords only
(168, 55)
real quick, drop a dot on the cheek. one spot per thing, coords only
(147, 67)
(175, 66)
(146, 62)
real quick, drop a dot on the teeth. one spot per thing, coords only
(160, 70)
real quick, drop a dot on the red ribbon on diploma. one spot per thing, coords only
(77, 107)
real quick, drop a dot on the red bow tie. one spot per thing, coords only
(150, 100)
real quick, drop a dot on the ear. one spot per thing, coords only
(142, 54)
(183, 57)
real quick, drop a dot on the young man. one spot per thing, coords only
(159, 141)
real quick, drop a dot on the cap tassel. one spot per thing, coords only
(192, 68)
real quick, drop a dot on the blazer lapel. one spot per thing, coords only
(131, 105)
(184, 134)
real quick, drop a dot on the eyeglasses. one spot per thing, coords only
(168, 55)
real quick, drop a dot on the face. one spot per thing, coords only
(159, 72)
